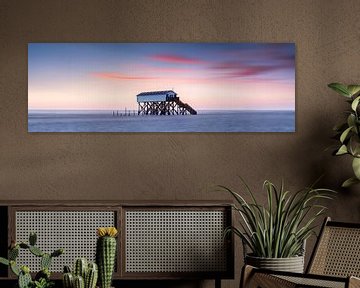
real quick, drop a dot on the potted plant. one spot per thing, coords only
(84, 274)
(275, 233)
(42, 278)
(348, 132)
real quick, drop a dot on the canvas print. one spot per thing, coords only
(161, 87)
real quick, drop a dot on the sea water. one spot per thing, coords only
(204, 121)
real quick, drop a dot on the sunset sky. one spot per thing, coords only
(205, 75)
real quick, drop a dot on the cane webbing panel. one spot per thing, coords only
(313, 282)
(338, 252)
(175, 241)
(260, 280)
(75, 231)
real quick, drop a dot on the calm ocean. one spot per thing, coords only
(205, 121)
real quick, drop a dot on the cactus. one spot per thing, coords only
(13, 253)
(79, 282)
(36, 251)
(80, 268)
(42, 278)
(90, 272)
(105, 254)
(91, 276)
(32, 238)
(45, 261)
(68, 280)
(24, 280)
(24, 277)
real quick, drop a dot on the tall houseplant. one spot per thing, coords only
(276, 232)
(348, 132)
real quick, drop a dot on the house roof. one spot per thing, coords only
(156, 93)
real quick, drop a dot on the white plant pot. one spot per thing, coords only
(291, 264)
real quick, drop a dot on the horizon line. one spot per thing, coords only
(199, 109)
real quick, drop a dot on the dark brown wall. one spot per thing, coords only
(179, 166)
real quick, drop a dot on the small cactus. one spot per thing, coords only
(24, 278)
(45, 261)
(89, 272)
(106, 254)
(36, 251)
(13, 253)
(80, 268)
(79, 282)
(67, 269)
(91, 276)
(32, 238)
(68, 280)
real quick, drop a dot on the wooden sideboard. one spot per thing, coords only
(163, 240)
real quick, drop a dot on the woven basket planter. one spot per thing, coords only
(291, 264)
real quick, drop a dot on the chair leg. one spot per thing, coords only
(217, 283)
(246, 274)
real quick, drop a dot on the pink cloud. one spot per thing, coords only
(120, 76)
(251, 71)
(171, 70)
(176, 59)
(239, 69)
(147, 68)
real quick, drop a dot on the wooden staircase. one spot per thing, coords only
(185, 107)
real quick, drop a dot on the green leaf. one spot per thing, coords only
(4, 261)
(349, 182)
(355, 103)
(354, 145)
(351, 120)
(353, 89)
(342, 150)
(345, 134)
(356, 167)
(340, 88)
(14, 268)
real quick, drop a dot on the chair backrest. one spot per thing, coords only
(337, 251)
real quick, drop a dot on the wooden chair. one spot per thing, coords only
(334, 263)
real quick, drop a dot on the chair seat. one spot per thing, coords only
(263, 278)
(314, 282)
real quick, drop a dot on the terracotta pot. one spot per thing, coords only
(291, 264)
